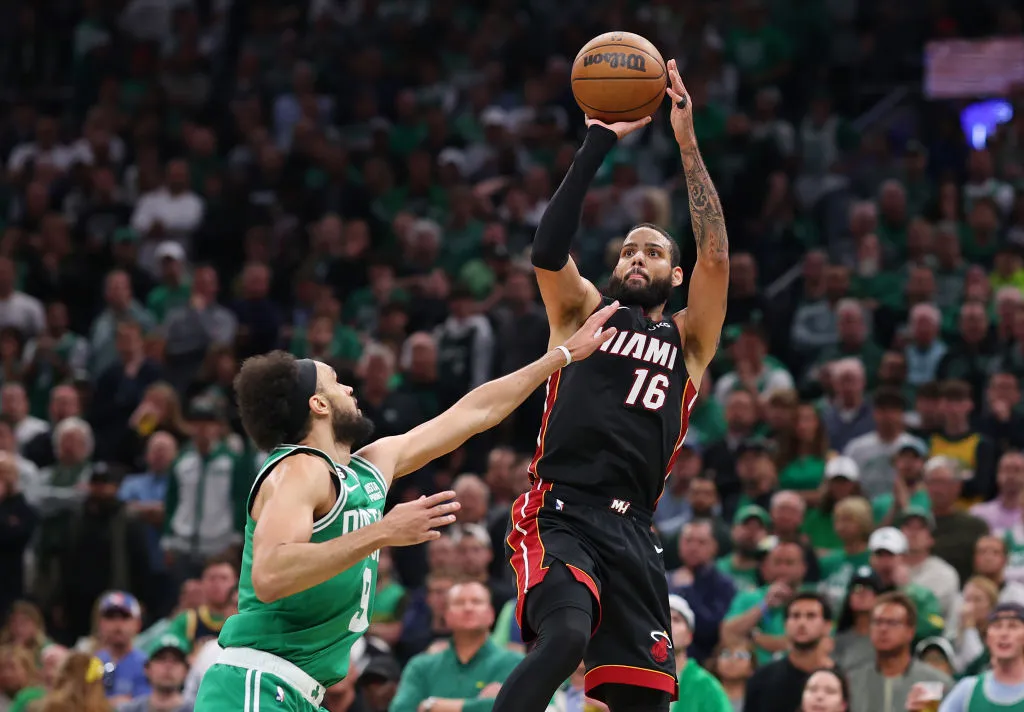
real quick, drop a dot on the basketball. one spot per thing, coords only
(619, 76)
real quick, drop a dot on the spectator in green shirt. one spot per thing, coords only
(700, 691)
(749, 529)
(175, 288)
(467, 675)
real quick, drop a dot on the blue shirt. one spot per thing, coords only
(147, 487)
(710, 596)
(129, 675)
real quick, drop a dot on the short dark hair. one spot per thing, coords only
(264, 387)
(826, 609)
(955, 390)
(889, 398)
(898, 598)
(931, 389)
(675, 255)
(222, 559)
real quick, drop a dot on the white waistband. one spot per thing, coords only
(288, 672)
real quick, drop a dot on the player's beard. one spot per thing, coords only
(350, 428)
(653, 293)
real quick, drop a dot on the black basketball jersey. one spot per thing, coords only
(613, 423)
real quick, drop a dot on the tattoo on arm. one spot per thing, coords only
(705, 207)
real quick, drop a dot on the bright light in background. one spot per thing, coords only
(979, 120)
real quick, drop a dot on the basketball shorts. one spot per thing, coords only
(609, 546)
(260, 688)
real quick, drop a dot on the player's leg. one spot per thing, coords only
(560, 611)
(628, 698)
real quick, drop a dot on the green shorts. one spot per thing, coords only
(226, 687)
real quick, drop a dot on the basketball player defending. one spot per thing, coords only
(588, 565)
(314, 524)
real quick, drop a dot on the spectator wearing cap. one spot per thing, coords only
(936, 652)
(104, 548)
(469, 673)
(848, 415)
(980, 598)
(778, 685)
(124, 666)
(194, 326)
(701, 691)
(378, 682)
(172, 291)
(754, 369)
(908, 487)
(888, 548)
(853, 524)
(761, 613)
(123, 385)
(853, 646)
(885, 685)
(707, 589)
(960, 441)
(1002, 687)
(205, 509)
(840, 482)
(926, 570)
(956, 531)
(121, 306)
(750, 527)
(166, 668)
(874, 451)
(1004, 511)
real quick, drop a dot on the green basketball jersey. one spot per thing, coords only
(314, 629)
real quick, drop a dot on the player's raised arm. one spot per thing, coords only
(485, 406)
(704, 315)
(285, 562)
(568, 297)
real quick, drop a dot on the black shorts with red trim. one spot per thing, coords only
(611, 548)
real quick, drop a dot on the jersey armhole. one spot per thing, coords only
(374, 470)
(340, 493)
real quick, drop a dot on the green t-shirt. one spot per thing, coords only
(929, 612)
(745, 579)
(699, 691)
(444, 675)
(707, 420)
(757, 51)
(164, 298)
(316, 628)
(25, 697)
(802, 474)
(773, 622)
(820, 529)
(881, 504)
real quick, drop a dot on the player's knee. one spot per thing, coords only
(627, 698)
(566, 631)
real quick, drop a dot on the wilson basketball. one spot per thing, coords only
(619, 76)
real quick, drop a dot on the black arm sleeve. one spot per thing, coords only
(561, 219)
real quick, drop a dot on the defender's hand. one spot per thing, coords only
(682, 106)
(590, 336)
(621, 128)
(415, 522)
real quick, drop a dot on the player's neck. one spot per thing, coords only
(322, 438)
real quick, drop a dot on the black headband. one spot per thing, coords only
(298, 403)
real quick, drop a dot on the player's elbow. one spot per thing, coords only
(548, 259)
(265, 584)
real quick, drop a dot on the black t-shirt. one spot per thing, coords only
(775, 687)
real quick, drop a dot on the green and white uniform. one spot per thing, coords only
(282, 655)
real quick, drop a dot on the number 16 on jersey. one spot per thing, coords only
(651, 386)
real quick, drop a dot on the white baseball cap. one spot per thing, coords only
(680, 606)
(888, 539)
(842, 466)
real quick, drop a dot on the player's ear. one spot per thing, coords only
(677, 276)
(318, 404)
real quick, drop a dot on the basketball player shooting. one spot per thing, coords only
(314, 523)
(588, 564)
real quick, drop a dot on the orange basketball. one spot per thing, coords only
(619, 76)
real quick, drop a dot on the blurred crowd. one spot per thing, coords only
(186, 183)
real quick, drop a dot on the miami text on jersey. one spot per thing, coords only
(632, 344)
